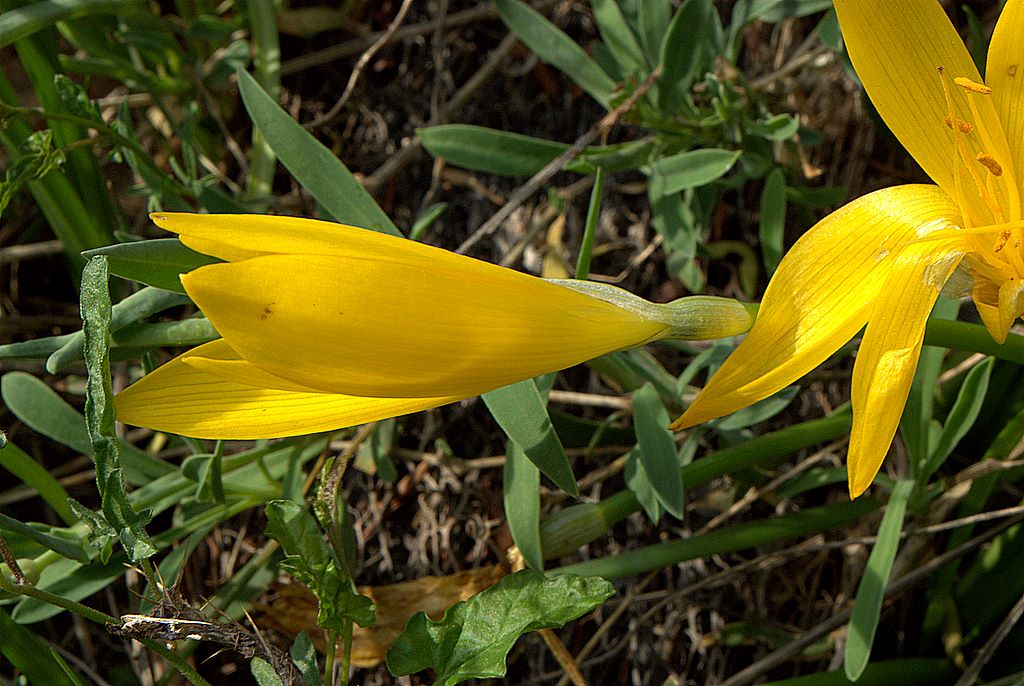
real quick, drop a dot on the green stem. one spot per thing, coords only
(267, 70)
(346, 653)
(59, 601)
(332, 642)
(973, 338)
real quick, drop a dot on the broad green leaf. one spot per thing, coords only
(683, 52)
(28, 654)
(521, 491)
(773, 220)
(158, 262)
(264, 673)
(690, 169)
(551, 45)
(658, 449)
(71, 580)
(618, 36)
(311, 163)
(99, 414)
(489, 150)
(774, 11)
(871, 591)
(777, 128)
(304, 656)
(961, 417)
(33, 474)
(475, 635)
(654, 17)
(522, 414)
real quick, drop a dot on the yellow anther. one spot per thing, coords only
(972, 86)
(990, 163)
(964, 126)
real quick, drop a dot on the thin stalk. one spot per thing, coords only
(593, 213)
(346, 651)
(267, 70)
(973, 338)
(332, 641)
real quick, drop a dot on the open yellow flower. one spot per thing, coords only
(326, 326)
(883, 259)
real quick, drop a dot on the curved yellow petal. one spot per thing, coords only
(219, 359)
(180, 398)
(896, 48)
(391, 323)
(821, 295)
(1004, 72)
(888, 354)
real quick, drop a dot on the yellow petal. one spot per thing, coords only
(180, 398)
(896, 48)
(219, 359)
(395, 322)
(889, 352)
(1004, 72)
(821, 295)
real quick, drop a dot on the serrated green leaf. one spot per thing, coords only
(690, 169)
(311, 163)
(522, 414)
(658, 449)
(101, 536)
(489, 150)
(871, 590)
(475, 635)
(158, 262)
(521, 491)
(99, 414)
(551, 45)
(264, 673)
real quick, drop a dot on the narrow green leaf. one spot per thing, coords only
(961, 417)
(158, 262)
(21, 22)
(33, 474)
(690, 169)
(639, 483)
(919, 410)
(590, 227)
(475, 635)
(618, 36)
(551, 45)
(684, 51)
(759, 411)
(99, 414)
(311, 163)
(28, 654)
(871, 591)
(58, 540)
(773, 220)
(71, 580)
(658, 449)
(521, 412)
(489, 150)
(304, 656)
(774, 11)
(916, 671)
(655, 17)
(521, 492)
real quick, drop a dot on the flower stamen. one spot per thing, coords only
(990, 163)
(964, 126)
(972, 86)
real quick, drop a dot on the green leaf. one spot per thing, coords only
(521, 491)
(522, 414)
(310, 560)
(264, 673)
(618, 36)
(690, 169)
(683, 52)
(304, 656)
(28, 654)
(658, 449)
(311, 163)
(774, 11)
(99, 414)
(475, 635)
(61, 541)
(33, 474)
(101, 536)
(490, 150)
(551, 45)
(961, 417)
(21, 22)
(640, 484)
(871, 591)
(158, 262)
(655, 17)
(759, 411)
(773, 220)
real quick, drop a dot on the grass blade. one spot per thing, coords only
(521, 484)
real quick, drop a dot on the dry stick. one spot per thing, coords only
(364, 60)
(990, 647)
(553, 167)
(777, 657)
(401, 158)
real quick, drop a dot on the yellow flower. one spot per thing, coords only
(883, 259)
(326, 326)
